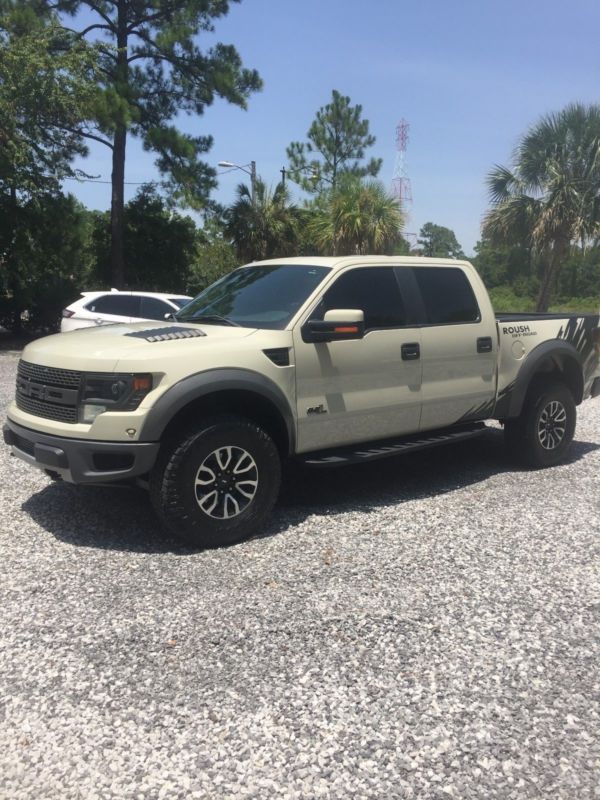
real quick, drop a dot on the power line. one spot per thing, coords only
(127, 183)
(95, 180)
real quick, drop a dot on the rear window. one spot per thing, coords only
(447, 295)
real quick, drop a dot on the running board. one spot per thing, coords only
(391, 447)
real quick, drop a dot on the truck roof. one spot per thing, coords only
(336, 262)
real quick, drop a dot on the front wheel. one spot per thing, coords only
(217, 485)
(542, 435)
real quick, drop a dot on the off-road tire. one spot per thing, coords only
(182, 464)
(541, 436)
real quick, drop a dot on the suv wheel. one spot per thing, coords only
(542, 435)
(217, 485)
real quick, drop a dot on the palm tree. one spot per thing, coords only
(265, 228)
(357, 218)
(550, 198)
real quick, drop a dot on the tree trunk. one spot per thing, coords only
(117, 200)
(561, 246)
(13, 279)
(573, 283)
(117, 203)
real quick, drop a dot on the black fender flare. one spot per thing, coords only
(511, 403)
(201, 384)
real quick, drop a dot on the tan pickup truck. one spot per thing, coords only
(327, 360)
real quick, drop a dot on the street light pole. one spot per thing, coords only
(251, 172)
(253, 181)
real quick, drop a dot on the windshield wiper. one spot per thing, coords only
(215, 319)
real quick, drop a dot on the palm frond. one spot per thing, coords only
(502, 184)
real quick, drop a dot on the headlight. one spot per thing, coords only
(111, 393)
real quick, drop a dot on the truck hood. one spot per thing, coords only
(102, 348)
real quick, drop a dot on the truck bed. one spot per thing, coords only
(538, 316)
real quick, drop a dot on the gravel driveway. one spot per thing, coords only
(423, 627)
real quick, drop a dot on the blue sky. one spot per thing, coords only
(470, 77)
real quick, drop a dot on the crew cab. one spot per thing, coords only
(326, 360)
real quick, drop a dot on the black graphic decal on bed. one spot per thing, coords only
(579, 332)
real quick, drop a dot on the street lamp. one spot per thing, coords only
(313, 173)
(251, 172)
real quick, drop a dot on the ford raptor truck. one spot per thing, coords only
(327, 360)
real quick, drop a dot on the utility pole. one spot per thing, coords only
(251, 172)
(253, 182)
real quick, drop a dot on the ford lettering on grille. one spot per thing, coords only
(51, 394)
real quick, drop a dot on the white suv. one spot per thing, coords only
(102, 308)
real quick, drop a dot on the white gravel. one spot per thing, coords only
(423, 627)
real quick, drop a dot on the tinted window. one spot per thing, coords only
(374, 291)
(179, 301)
(124, 305)
(152, 308)
(447, 295)
(257, 297)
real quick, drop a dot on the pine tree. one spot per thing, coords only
(153, 69)
(337, 140)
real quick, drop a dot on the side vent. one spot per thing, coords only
(280, 356)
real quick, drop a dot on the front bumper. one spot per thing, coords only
(81, 460)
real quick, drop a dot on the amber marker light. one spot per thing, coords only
(346, 330)
(142, 383)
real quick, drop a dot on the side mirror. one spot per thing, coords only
(337, 325)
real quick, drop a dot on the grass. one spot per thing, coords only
(505, 299)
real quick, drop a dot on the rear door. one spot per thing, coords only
(110, 308)
(364, 389)
(458, 349)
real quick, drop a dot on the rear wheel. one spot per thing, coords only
(217, 485)
(542, 435)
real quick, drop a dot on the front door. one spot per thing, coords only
(365, 389)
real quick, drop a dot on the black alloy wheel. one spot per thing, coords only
(541, 436)
(216, 485)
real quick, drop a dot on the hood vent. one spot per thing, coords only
(166, 334)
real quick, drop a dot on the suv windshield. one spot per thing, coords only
(256, 297)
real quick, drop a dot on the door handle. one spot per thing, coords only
(484, 344)
(410, 351)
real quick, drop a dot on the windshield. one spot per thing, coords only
(256, 297)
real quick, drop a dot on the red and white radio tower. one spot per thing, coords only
(401, 188)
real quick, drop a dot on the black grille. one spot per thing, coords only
(34, 396)
(48, 410)
(49, 376)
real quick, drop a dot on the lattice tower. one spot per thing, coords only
(401, 187)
